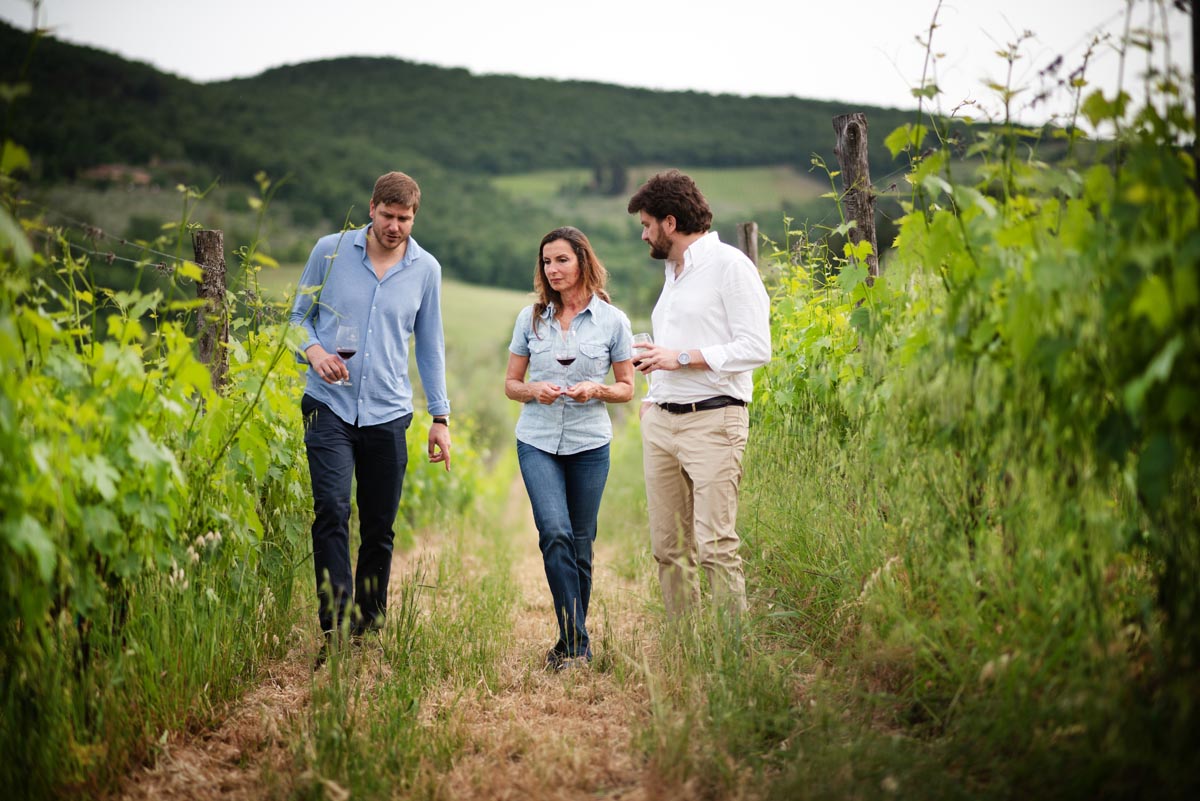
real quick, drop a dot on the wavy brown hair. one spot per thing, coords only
(675, 194)
(591, 272)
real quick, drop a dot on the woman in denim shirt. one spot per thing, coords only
(564, 429)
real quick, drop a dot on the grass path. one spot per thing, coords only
(532, 734)
(545, 735)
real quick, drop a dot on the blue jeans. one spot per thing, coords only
(377, 456)
(565, 494)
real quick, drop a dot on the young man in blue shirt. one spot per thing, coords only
(358, 407)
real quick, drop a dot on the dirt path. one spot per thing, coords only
(547, 735)
(536, 735)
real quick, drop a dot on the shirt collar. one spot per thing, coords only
(700, 248)
(414, 250)
(592, 306)
(696, 250)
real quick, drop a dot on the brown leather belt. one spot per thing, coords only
(719, 402)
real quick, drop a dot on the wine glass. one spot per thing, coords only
(566, 349)
(640, 339)
(346, 345)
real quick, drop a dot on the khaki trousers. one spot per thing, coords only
(693, 465)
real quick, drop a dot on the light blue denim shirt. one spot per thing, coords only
(338, 284)
(565, 427)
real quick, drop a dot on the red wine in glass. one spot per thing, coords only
(346, 345)
(566, 348)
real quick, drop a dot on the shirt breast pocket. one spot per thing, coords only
(539, 358)
(595, 361)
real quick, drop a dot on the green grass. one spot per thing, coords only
(172, 652)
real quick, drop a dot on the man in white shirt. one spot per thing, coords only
(711, 329)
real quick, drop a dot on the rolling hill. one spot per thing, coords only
(332, 126)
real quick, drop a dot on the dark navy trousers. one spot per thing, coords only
(338, 453)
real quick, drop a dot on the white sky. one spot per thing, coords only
(746, 47)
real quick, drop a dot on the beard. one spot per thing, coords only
(659, 249)
(390, 241)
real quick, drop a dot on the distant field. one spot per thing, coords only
(735, 193)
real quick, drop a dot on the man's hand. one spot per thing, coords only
(439, 444)
(655, 357)
(329, 366)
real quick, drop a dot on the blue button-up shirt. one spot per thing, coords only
(338, 285)
(565, 426)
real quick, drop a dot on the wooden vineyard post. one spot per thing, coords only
(1195, 93)
(747, 240)
(858, 197)
(213, 336)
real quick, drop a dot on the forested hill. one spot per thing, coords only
(335, 124)
(331, 127)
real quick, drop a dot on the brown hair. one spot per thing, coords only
(591, 271)
(672, 193)
(398, 188)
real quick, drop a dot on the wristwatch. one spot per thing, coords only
(443, 420)
(683, 358)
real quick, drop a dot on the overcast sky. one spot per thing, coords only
(852, 51)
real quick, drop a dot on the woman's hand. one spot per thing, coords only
(584, 391)
(516, 389)
(544, 392)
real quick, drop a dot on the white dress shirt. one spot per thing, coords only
(719, 306)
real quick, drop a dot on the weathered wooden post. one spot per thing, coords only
(859, 198)
(747, 240)
(213, 336)
(1195, 93)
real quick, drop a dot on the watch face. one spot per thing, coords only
(684, 358)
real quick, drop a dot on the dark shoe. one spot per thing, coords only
(361, 630)
(556, 660)
(322, 655)
(572, 663)
(330, 643)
